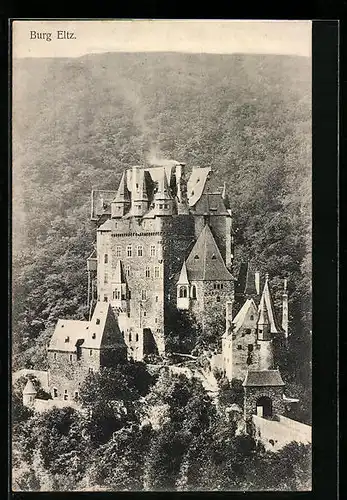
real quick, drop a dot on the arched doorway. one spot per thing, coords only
(264, 406)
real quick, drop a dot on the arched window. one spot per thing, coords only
(193, 292)
(183, 292)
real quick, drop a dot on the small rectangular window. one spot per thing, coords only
(218, 298)
(106, 278)
(129, 251)
(250, 347)
(118, 251)
(156, 272)
(105, 298)
(239, 347)
(152, 252)
(55, 355)
(160, 206)
(156, 298)
(251, 317)
(71, 357)
(137, 337)
(248, 331)
(148, 272)
(143, 294)
(105, 258)
(155, 320)
(144, 313)
(139, 250)
(91, 352)
(129, 336)
(127, 270)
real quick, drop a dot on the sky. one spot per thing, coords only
(195, 36)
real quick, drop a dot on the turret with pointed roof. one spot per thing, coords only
(121, 203)
(163, 199)
(267, 322)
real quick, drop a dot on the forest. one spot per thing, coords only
(79, 122)
(145, 432)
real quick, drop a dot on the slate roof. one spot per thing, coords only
(69, 333)
(101, 202)
(246, 280)
(183, 278)
(123, 193)
(263, 378)
(196, 184)
(266, 310)
(205, 262)
(240, 316)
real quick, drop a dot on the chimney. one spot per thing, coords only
(257, 282)
(228, 315)
(285, 308)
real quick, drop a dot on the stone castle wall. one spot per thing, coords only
(252, 394)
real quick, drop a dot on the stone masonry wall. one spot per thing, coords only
(253, 393)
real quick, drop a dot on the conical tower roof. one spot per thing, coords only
(183, 279)
(266, 309)
(140, 193)
(29, 388)
(123, 194)
(163, 191)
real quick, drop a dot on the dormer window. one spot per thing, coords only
(67, 339)
(196, 257)
(214, 257)
(97, 321)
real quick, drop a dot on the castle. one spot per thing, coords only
(162, 241)
(165, 242)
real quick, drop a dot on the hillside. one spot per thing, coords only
(77, 123)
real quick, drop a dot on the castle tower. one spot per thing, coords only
(121, 203)
(120, 293)
(285, 309)
(139, 195)
(163, 200)
(266, 327)
(29, 394)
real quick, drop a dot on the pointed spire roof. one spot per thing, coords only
(205, 262)
(246, 280)
(163, 191)
(123, 193)
(119, 276)
(29, 388)
(183, 279)
(266, 309)
(141, 191)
